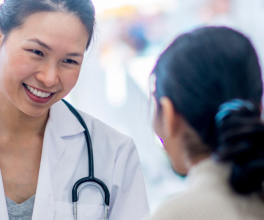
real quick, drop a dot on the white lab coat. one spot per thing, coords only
(64, 161)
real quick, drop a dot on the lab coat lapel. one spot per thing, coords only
(64, 122)
(44, 207)
(61, 123)
(3, 208)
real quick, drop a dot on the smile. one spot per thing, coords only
(36, 92)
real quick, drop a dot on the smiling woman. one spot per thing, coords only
(42, 146)
(49, 59)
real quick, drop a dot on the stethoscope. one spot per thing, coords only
(91, 180)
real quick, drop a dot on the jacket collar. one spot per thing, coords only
(63, 120)
(3, 208)
(208, 173)
(61, 123)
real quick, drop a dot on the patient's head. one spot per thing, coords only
(208, 93)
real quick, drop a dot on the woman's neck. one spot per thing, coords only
(193, 161)
(14, 122)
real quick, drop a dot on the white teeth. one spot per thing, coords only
(38, 93)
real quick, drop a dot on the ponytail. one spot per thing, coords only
(240, 137)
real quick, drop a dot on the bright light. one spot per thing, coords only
(102, 5)
(116, 85)
(116, 3)
(139, 70)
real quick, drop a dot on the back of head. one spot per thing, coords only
(14, 12)
(204, 69)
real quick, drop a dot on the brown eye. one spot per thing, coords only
(38, 52)
(70, 61)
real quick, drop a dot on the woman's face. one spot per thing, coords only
(170, 127)
(40, 61)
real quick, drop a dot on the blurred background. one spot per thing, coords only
(114, 84)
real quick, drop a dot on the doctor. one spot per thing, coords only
(43, 149)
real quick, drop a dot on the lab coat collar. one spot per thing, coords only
(65, 123)
(61, 123)
(44, 207)
(3, 208)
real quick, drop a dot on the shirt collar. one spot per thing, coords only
(64, 121)
(208, 172)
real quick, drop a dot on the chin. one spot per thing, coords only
(34, 111)
(36, 114)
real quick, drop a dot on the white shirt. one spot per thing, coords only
(64, 160)
(210, 197)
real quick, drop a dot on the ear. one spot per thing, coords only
(170, 119)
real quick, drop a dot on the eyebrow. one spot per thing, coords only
(74, 55)
(40, 43)
(49, 48)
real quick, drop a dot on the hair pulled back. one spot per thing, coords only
(240, 140)
(204, 69)
(14, 12)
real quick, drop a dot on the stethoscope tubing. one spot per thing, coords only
(94, 180)
(87, 137)
(90, 177)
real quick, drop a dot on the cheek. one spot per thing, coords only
(176, 155)
(157, 126)
(70, 79)
(16, 66)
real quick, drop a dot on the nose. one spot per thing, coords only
(48, 75)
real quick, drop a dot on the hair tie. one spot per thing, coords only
(233, 105)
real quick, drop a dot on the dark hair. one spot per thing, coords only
(14, 12)
(200, 71)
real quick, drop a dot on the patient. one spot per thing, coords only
(208, 94)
